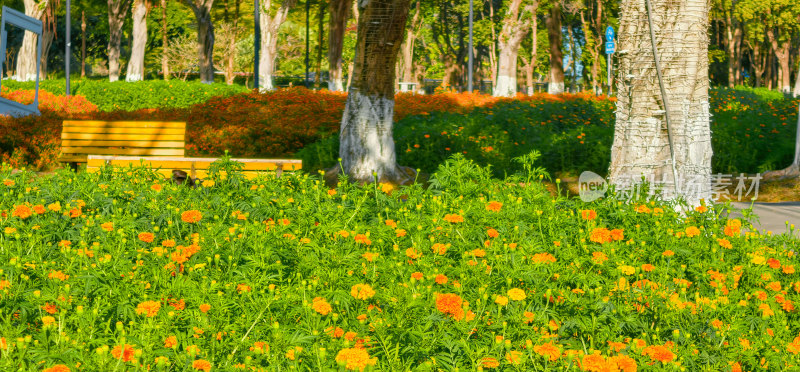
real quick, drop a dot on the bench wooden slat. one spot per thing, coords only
(167, 173)
(123, 124)
(187, 164)
(101, 143)
(127, 151)
(124, 130)
(122, 137)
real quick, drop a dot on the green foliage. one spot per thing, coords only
(125, 96)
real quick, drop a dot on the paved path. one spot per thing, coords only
(773, 216)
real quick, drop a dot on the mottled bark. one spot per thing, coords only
(556, 78)
(366, 145)
(641, 146)
(136, 64)
(26, 58)
(733, 43)
(516, 26)
(205, 37)
(269, 40)
(117, 11)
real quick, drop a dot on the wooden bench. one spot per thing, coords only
(195, 167)
(81, 138)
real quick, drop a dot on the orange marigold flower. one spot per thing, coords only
(692, 231)
(594, 363)
(659, 353)
(50, 308)
(701, 209)
(335, 333)
(724, 243)
(168, 243)
(489, 362)
(450, 304)
(107, 226)
(516, 294)
(57, 368)
(514, 357)
(492, 233)
(413, 254)
(441, 279)
(170, 342)
(599, 257)
(668, 253)
(453, 218)
(191, 216)
(494, 206)
(774, 263)
(243, 287)
(201, 365)
(22, 211)
(588, 214)
(355, 359)
(647, 267)
(205, 308)
(57, 274)
(716, 323)
(543, 258)
(623, 363)
(600, 235)
(417, 276)
(260, 347)
(147, 237)
(362, 291)
(123, 352)
(617, 234)
(642, 209)
(362, 239)
(549, 351)
(321, 306)
(439, 248)
(148, 308)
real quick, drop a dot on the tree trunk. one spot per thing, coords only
(516, 26)
(553, 22)
(117, 11)
(781, 50)
(269, 40)
(492, 48)
(136, 64)
(366, 146)
(337, 23)
(83, 43)
(205, 37)
(26, 58)
(48, 34)
(758, 64)
(320, 40)
(530, 67)
(231, 57)
(641, 146)
(164, 41)
(796, 91)
(407, 49)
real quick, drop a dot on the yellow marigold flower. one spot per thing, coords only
(321, 306)
(387, 187)
(516, 294)
(47, 321)
(758, 259)
(191, 216)
(355, 359)
(501, 300)
(627, 270)
(362, 291)
(201, 365)
(148, 308)
(692, 231)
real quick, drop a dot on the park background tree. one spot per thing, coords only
(26, 58)
(117, 11)
(516, 25)
(272, 16)
(136, 63)
(205, 37)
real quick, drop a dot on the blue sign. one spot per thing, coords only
(610, 33)
(610, 47)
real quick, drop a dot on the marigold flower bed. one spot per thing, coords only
(122, 271)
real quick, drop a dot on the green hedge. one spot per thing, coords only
(132, 96)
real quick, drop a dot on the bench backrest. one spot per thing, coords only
(195, 167)
(80, 138)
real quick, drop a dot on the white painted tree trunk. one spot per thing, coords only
(366, 144)
(26, 58)
(269, 40)
(796, 91)
(556, 78)
(136, 63)
(641, 146)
